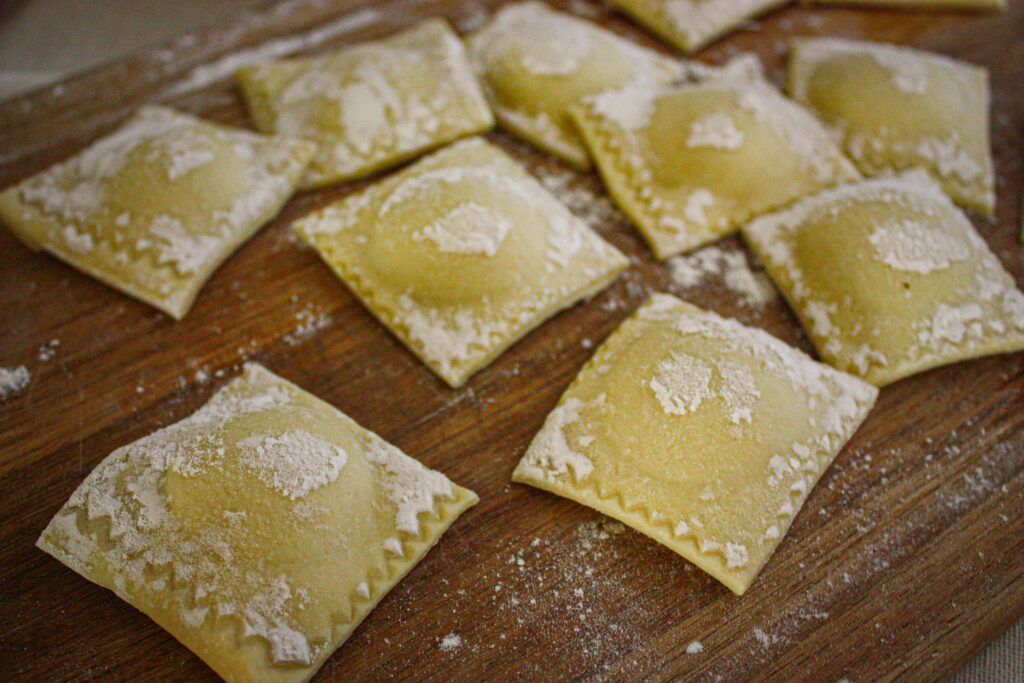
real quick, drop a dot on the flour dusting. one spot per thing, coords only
(753, 288)
(912, 246)
(411, 487)
(450, 642)
(681, 384)
(717, 131)
(13, 380)
(295, 462)
(467, 229)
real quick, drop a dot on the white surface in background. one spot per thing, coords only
(42, 41)
(1002, 661)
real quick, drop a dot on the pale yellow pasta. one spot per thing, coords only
(699, 432)
(890, 278)
(372, 105)
(692, 24)
(895, 109)
(690, 164)
(535, 62)
(259, 531)
(155, 207)
(461, 254)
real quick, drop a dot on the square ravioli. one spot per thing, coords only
(372, 105)
(535, 62)
(692, 24)
(896, 108)
(889, 278)
(690, 164)
(259, 531)
(156, 206)
(699, 432)
(918, 4)
(461, 254)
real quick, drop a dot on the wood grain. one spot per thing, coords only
(905, 561)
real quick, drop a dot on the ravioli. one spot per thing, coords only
(461, 254)
(919, 4)
(373, 105)
(692, 24)
(259, 531)
(690, 164)
(535, 62)
(896, 108)
(155, 207)
(699, 432)
(889, 278)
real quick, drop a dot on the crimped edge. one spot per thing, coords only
(632, 195)
(607, 500)
(12, 210)
(876, 374)
(979, 195)
(260, 113)
(651, 15)
(613, 264)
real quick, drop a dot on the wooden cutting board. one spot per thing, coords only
(905, 562)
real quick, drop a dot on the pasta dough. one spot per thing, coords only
(897, 108)
(691, 164)
(155, 207)
(692, 24)
(889, 278)
(535, 62)
(461, 254)
(372, 105)
(259, 531)
(699, 432)
(918, 4)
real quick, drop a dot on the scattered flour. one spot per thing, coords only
(13, 380)
(581, 194)
(550, 454)
(412, 487)
(310, 322)
(452, 641)
(467, 229)
(753, 288)
(630, 107)
(912, 246)
(695, 210)
(766, 639)
(48, 351)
